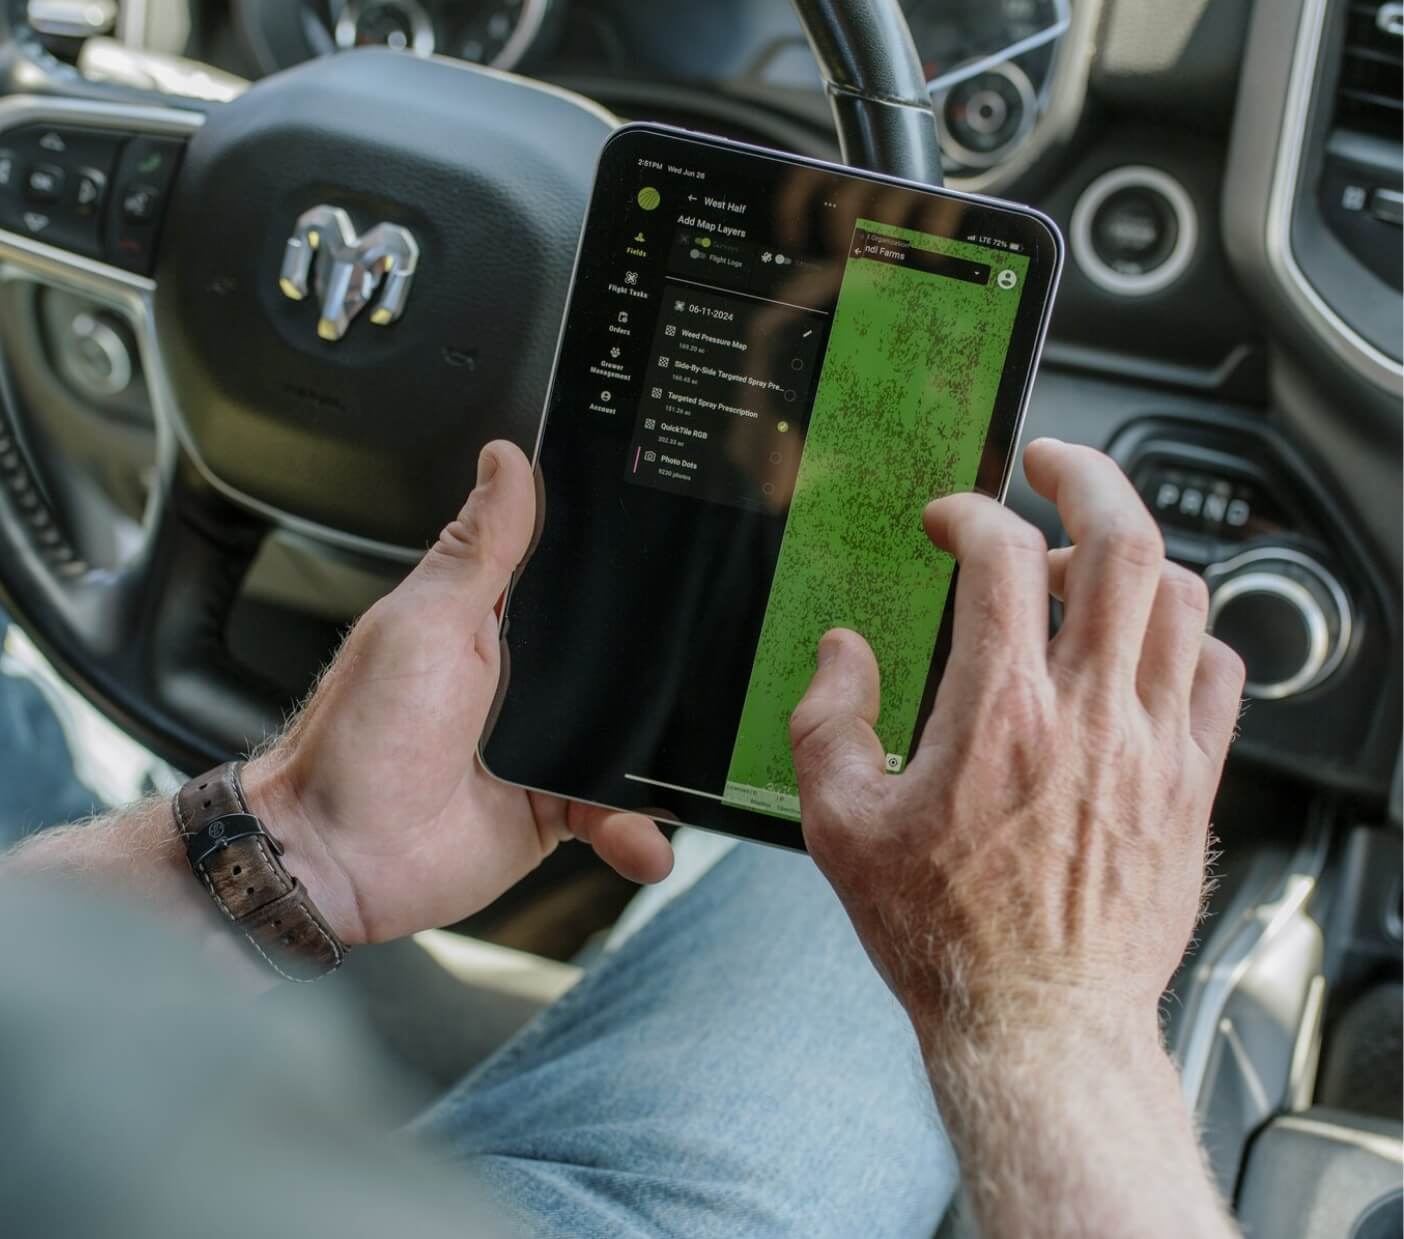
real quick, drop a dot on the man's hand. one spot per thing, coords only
(376, 790)
(1045, 846)
(1028, 885)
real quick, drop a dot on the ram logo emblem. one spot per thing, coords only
(348, 271)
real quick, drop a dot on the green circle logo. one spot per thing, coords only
(649, 198)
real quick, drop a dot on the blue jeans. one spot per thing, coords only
(37, 784)
(736, 1068)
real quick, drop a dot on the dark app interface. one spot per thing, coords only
(729, 364)
(777, 373)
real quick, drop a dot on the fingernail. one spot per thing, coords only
(828, 649)
(487, 466)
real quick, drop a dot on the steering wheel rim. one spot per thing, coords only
(145, 641)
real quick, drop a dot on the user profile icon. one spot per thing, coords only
(1006, 279)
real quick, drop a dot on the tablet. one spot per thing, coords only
(768, 367)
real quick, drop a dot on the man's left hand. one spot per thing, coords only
(376, 791)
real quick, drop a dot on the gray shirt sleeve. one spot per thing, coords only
(139, 1098)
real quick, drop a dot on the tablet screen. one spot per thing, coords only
(768, 369)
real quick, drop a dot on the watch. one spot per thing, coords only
(238, 861)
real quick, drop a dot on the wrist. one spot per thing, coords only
(1054, 1070)
(272, 794)
(1039, 1035)
(1091, 1119)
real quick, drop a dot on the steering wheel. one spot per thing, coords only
(197, 222)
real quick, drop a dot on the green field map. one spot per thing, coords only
(904, 402)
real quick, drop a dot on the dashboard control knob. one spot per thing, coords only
(404, 25)
(982, 119)
(1134, 230)
(96, 357)
(1288, 618)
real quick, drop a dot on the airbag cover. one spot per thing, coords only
(374, 435)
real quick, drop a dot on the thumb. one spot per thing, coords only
(477, 552)
(837, 753)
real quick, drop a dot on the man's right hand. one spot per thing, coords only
(1042, 857)
(1028, 885)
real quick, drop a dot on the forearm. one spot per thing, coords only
(1080, 1137)
(134, 852)
(137, 853)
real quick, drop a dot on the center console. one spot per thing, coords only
(1292, 590)
(1324, 1174)
(1287, 1024)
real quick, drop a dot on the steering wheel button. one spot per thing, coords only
(151, 162)
(53, 184)
(44, 183)
(140, 203)
(89, 191)
(144, 175)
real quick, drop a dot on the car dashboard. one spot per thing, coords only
(1183, 340)
(990, 66)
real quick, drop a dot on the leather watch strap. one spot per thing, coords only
(238, 861)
